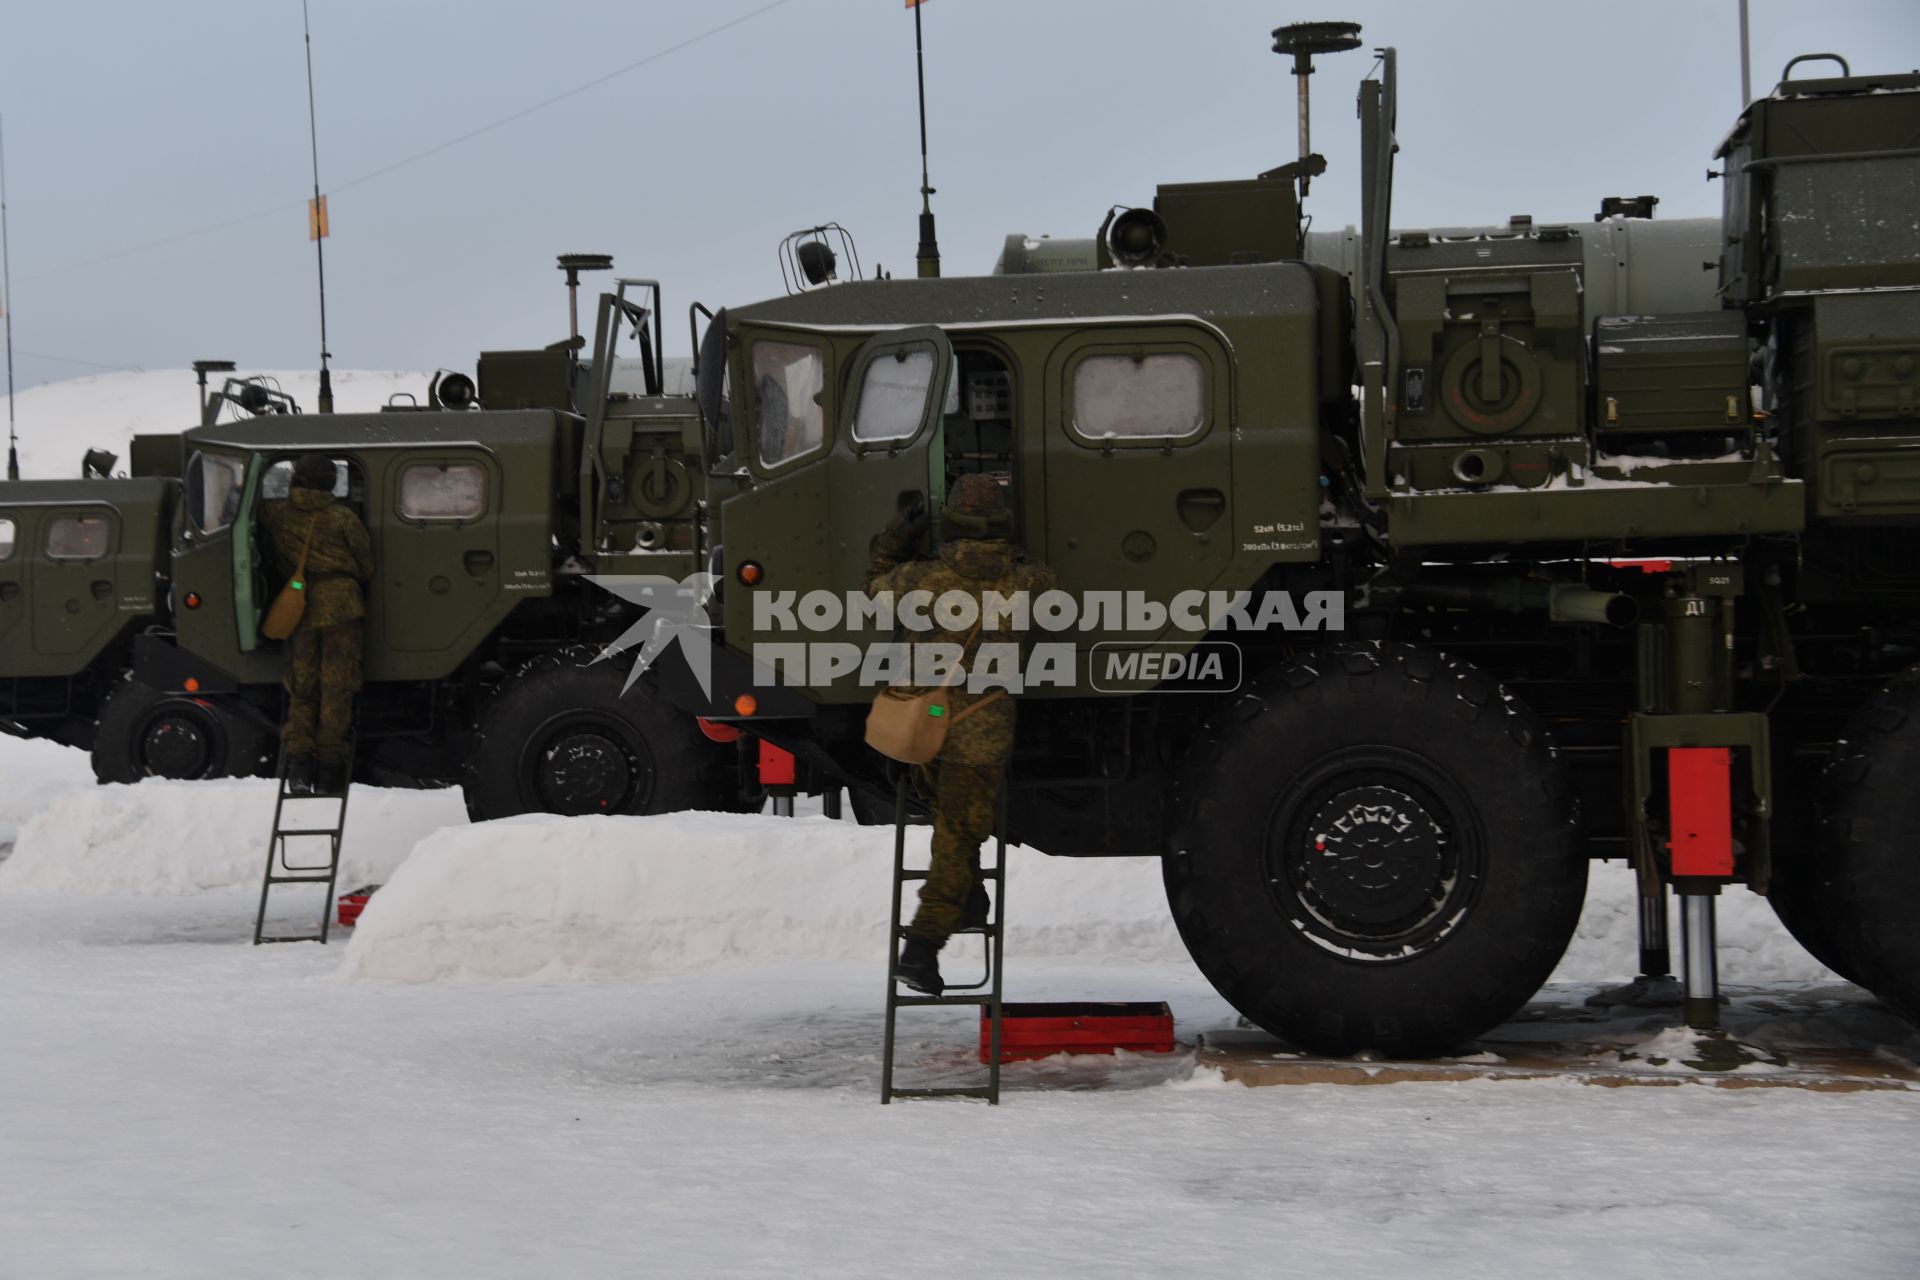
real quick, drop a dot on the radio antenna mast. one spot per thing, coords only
(929, 255)
(6, 307)
(317, 220)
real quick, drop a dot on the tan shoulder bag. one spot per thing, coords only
(912, 727)
(291, 604)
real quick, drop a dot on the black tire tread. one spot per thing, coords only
(689, 770)
(246, 750)
(1423, 684)
(1866, 885)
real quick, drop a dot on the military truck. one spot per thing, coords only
(1617, 573)
(81, 573)
(1617, 583)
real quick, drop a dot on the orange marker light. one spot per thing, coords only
(193, 684)
(746, 704)
(193, 599)
(750, 572)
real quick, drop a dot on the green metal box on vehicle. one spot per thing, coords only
(1822, 183)
(1661, 374)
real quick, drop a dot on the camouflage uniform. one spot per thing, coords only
(323, 654)
(964, 780)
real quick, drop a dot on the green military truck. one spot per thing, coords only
(82, 572)
(1402, 579)
(1610, 578)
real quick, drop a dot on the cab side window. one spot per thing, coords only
(6, 538)
(277, 481)
(893, 396)
(1162, 396)
(77, 537)
(788, 420)
(443, 491)
(213, 491)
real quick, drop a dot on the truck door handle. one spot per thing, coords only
(9, 591)
(479, 563)
(1200, 508)
(102, 589)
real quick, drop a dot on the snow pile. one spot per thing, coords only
(159, 837)
(622, 897)
(617, 897)
(61, 420)
(32, 772)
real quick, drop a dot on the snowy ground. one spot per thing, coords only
(175, 1102)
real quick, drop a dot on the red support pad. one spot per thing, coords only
(352, 903)
(1701, 803)
(776, 765)
(1029, 1031)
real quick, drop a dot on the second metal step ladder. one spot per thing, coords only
(304, 849)
(985, 993)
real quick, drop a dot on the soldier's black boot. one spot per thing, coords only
(919, 966)
(978, 912)
(330, 778)
(299, 775)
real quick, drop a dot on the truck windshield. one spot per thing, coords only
(213, 491)
(788, 378)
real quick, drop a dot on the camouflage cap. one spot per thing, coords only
(976, 508)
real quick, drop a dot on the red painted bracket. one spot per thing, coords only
(776, 765)
(1700, 803)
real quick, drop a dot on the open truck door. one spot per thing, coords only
(884, 456)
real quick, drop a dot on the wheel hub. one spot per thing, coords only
(175, 744)
(1371, 860)
(585, 772)
(1376, 854)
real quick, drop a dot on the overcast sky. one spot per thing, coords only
(139, 120)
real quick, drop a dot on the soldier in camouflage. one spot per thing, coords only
(323, 653)
(976, 556)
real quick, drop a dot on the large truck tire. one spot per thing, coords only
(1868, 881)
(559, 736)
(1375, 848)
(145, 733)
(1801, 900)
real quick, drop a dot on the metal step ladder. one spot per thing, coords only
(984, 993)
(306, 850)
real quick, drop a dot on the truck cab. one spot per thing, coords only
(77, 581)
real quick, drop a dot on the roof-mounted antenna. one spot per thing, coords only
(573, 264)
(928, 257)
(317, 219)
(6, 308)
(1302, 40)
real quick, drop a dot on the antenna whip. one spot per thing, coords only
(928, 257)
(6, 308)
(317, 219)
